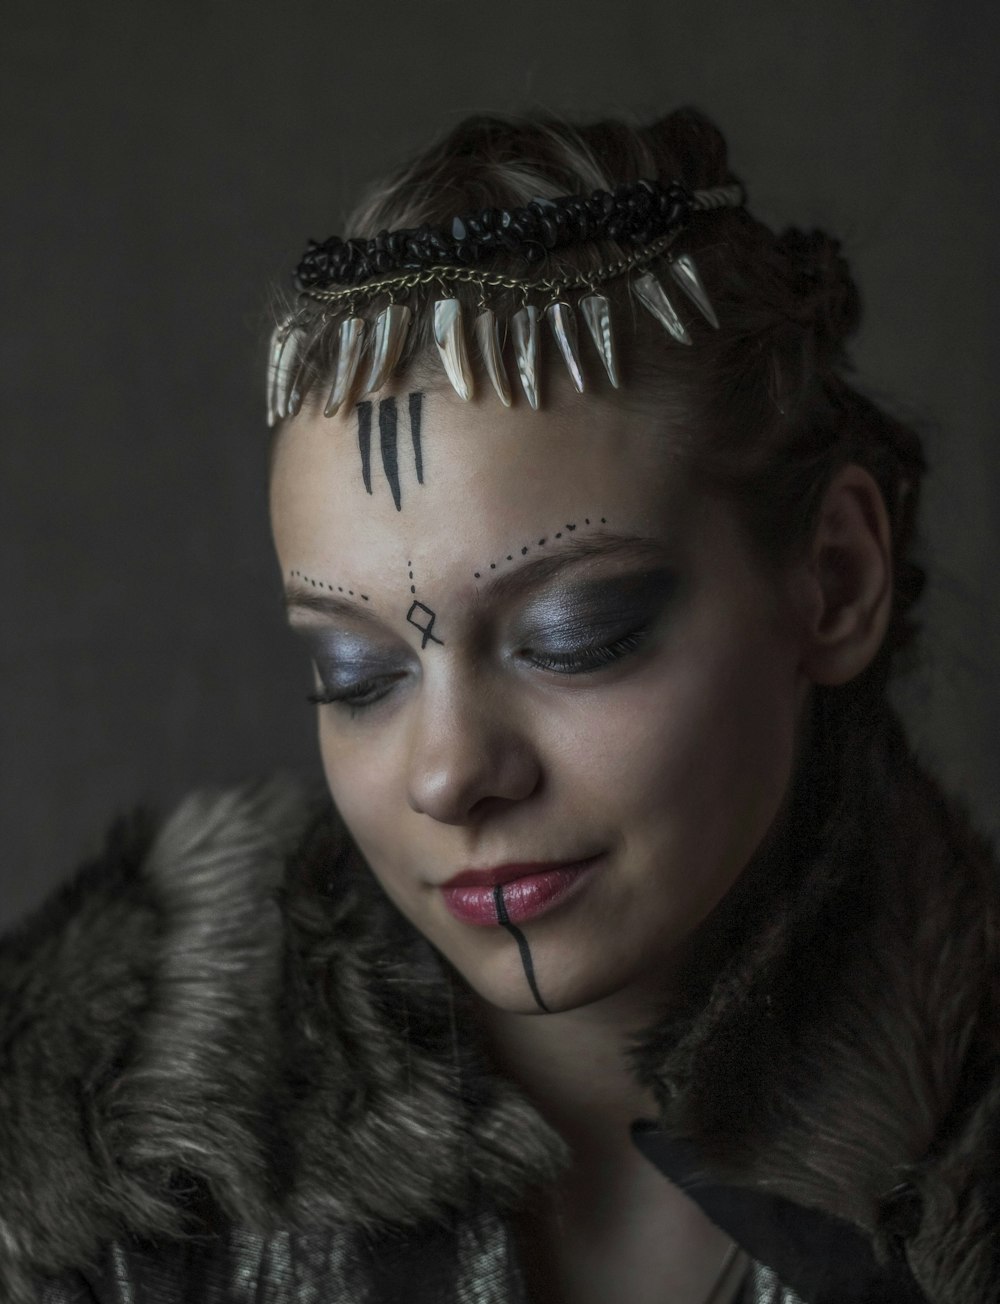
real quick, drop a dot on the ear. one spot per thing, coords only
(843, 585)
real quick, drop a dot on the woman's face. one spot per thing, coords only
(555, 670)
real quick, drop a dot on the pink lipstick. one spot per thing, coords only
(527, 890)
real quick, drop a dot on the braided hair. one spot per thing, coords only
(763, 410)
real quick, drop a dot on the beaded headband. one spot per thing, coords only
(337, 278)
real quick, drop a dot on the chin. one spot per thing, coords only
(505, 986)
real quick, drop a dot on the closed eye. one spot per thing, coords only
(585, 660)
(355, 697)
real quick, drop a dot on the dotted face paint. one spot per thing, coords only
(525, 548)
(330, 588)
(419, 611)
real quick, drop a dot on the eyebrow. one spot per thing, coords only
(519, 577)
(528, 573)
(298, 597)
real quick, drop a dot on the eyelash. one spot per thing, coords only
(359, 697)
(590, 659)
(354, 699)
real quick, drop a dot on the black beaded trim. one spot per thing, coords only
(631, 214)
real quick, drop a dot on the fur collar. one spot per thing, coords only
(204, 1014)
(229, 1013)
(842, 1048)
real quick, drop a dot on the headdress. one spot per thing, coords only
(338, 278)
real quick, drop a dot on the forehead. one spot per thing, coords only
(420, 471)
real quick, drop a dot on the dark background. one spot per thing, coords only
(164, 162)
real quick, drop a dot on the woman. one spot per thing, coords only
(646, 963)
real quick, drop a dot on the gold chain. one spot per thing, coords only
(718, 197)
(467, 275)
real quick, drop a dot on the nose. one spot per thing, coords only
(467, 755)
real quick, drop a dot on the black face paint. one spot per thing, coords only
(522, 946)
(525, 548)
(421, 609)
(390, 451)
(427, 630)
(322, 584)
(388, 429)
(365, 442)
(416, 408)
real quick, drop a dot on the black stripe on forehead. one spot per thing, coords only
(388, 437)
(416, 414)
(365, 442)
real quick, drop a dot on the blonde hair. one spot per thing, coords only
(763, 408)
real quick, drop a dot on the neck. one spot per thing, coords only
(573, 1066)
(611, 1226)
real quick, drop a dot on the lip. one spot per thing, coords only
(530, 889)
(508, 873)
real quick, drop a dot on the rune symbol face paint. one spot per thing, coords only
(522, 946)
(427, 630)
(421, 609)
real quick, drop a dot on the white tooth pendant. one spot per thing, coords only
(524, 325)
(653, 296)
(273, 354)
(352, 338)
(449, 336)
(391, 327)
(285, 371)
(563, 323)
(488, 339)
(295, 389)
(596, 311)
(685, 273)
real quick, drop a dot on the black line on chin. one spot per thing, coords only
(522, 946)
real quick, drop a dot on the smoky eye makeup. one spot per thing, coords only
(345, 663)
(573, 616)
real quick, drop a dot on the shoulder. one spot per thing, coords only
(131, 1003)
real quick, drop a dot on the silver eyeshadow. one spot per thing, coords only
(569, 616)
(343, 660)
(592, 612)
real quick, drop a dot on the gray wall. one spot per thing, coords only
(164, 161)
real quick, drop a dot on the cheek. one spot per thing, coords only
(363, 784)
(690, 761)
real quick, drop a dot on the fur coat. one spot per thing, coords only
(230, 1071)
